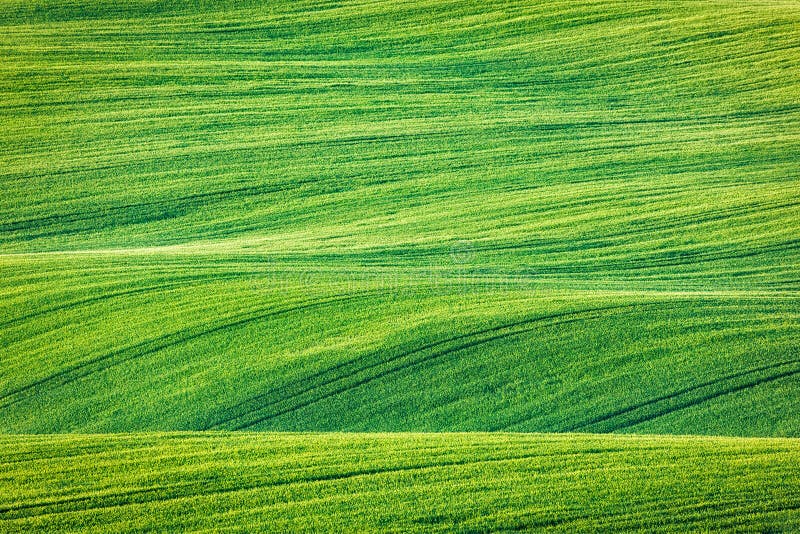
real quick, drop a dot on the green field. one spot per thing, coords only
(409, 217)
(399, 482)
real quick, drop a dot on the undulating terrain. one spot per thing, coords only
(563, 218)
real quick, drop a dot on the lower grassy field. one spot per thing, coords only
(399, 482)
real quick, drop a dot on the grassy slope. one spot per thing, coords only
(400, 482)
(424, 216)
(330, 355)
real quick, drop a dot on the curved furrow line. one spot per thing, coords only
(601, 241)
(671, 396)
(188, 200)
(307, 385)
(653, 259)
(653, 224)
(550, 320)
(706, 398)
(122, 214)
(138, 350)
(706, 256)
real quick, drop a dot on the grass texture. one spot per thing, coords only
(410, 216)
(398, 483)
(400, 216)
(158, 347)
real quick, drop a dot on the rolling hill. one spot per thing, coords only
(417, 216)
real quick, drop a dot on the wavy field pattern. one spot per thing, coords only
(376, 217)
(417, 216)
